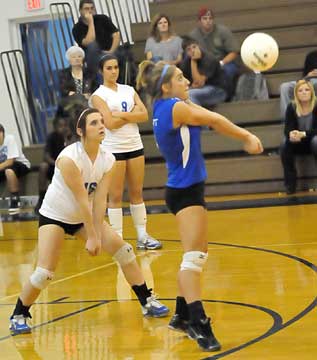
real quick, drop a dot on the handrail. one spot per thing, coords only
(19, 89)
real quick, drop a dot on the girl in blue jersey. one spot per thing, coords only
(177, 124)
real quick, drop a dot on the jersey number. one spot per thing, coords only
(91, 187)
(124, 106)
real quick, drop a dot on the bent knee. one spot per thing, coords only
(194, 261)
(125, 255)
(41, 278)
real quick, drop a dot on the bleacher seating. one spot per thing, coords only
(293, 23)
(294, 26)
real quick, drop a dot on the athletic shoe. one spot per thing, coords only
(178, 324)
(19, 325)
(148, 243)
(202, 333)
(153, 308)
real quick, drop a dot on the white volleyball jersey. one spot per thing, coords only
(127, 138)
(59, 202)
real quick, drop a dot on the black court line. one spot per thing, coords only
(61, 317)
(278, 326)
(58, 300)
(216, 205)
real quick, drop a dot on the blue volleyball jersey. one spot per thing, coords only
(180, 147)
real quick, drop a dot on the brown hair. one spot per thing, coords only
(151, 77)
(154, 30)
(82, 2)
(81, 119)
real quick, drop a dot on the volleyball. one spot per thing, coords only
(259, 51)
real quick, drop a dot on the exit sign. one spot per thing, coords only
(34, 5)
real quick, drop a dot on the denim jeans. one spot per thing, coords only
(207, 96)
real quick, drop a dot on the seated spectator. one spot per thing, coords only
(205, 74)
(55, 143)
(163, 44)
(95, 34)
(300, 131)
(220, 42)
(76, 79)
(287, 88)
(13, 165)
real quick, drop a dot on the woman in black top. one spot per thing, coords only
(76, 79)
(300, 131)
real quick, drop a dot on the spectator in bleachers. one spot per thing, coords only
(13, 165)
(56, 141)
(220, 42)
(300, 131)
(204, 73)
(76, 79)
(163, 44)
(95, 33)
(309, 72)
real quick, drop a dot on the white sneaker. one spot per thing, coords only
(19, 325)
(148, 243)
(154, 308)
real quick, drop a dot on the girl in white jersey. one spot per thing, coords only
(176, 126)
(122, 109)
(81, 181)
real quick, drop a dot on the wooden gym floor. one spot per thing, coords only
(259, 287)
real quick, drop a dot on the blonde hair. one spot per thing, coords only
(298, 105)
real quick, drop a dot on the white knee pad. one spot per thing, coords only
(194, 261)
(125, 255)
(41, 278)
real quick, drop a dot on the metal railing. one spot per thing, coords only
(21, 96)
(33, 105)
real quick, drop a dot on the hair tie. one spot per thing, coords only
(164, 71)
(81, 115)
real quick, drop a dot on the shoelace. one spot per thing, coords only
(154, 299)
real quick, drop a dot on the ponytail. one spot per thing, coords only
(152, 76)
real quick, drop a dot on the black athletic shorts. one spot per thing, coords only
(178, 199)
(18, 168)
(128, 155)
(70, 229)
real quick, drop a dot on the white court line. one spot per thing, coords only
(140, 255)
(76, 275)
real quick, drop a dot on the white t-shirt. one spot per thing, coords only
(127, 138)
(10, 150)
(59, 202)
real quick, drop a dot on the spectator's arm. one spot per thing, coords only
(199, 80)
(229, 57)
(66, 86)
(48, 159)
(91, 33)
(290, 120)
(115, 41)
(6, 163)
(230, 45)
(148, 55)
(177, 60)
